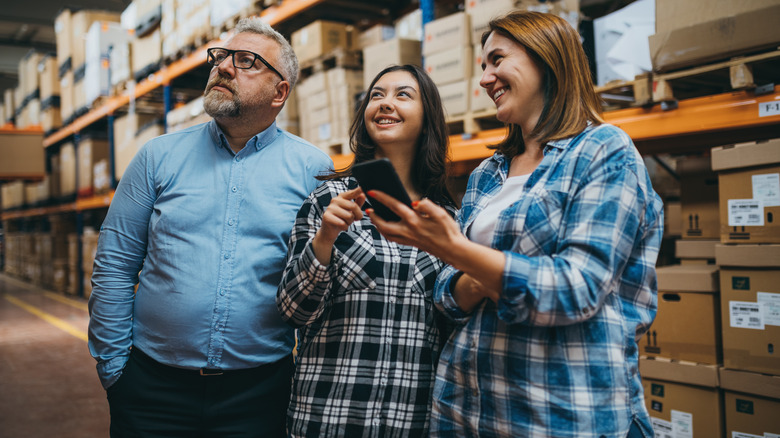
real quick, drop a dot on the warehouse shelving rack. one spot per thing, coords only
(691, 126)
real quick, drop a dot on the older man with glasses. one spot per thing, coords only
(204, 215)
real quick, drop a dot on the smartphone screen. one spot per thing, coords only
(380, 175)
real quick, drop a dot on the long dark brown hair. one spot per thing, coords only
(570, 100)
(430, 163)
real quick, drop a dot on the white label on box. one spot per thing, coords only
(735, 434)
(662, 428)
(746, 213)
(682, 424)
(743, 314)
(770, 303)
(766, 187)
(766, 109)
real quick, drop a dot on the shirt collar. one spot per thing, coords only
(259, 141)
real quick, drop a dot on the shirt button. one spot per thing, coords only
(375, 422)
(383, 382)
(230, 222)
(392, 300)
(388, 341)
(372, 285)
(234, 189)
(222, 292)
(396, 259)
(227, 256)
(238, 159)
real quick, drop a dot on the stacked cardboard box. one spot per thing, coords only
(71, 30)
(51, 117)
(326, 104)
(28, 103)
(185, 25)
(89, 241)
(101, 39)
(126, 137)
(448, 58)
(699, 31)
(90, 150)
(749, 262)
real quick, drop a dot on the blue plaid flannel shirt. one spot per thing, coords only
(558, 355)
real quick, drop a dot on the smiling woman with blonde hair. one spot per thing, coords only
(551, 279)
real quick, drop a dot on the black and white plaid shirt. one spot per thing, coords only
(369, 335)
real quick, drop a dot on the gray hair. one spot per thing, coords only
(288, 58)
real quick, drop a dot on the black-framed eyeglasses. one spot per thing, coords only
(243, 59)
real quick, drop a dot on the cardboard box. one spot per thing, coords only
(479, 100)
(679, 409)
(687, 325)
(750, 308)
(449, 65)
(22, 155)
(698, 198)
(695, 249)
(749, 191)
(66, 96)
(126, 145)
(660, 368)
(685, 278)
(393, 51)
(751, 403)
(49, 81)
(67, 170)
(51, 119)
(733, 30)
(455, 97)
(145, 53)
(375, 35)
(80, 24)
(482, 11)
(446, 33)
(102, 37)
(90, 151)
(63, 31)
(320, 38)
(410, 26)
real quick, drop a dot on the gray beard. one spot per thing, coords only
(218, 106)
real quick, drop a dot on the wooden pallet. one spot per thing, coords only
(473, 122)
(619, 94)
(748, 72)
(230, 23)
(339, 57)
(335, 146)
(195, 42)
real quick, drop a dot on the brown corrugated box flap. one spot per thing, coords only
(751, 383)
(688, 278)
(752, 256)
(681, 372)
(695, 249)
(746, 155)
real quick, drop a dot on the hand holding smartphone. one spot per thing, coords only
(380, 175)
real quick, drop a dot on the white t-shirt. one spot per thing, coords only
(483, 227)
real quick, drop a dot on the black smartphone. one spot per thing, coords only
(380, 175)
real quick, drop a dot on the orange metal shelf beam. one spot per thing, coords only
(701, 115)
(721, 112)
(272, 15)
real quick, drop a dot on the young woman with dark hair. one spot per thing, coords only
(369, 335)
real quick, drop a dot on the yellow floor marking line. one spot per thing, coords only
(65, 300)
(51, 319)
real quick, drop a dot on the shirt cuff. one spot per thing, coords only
(448, 303)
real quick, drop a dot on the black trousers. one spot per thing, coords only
(154, 400)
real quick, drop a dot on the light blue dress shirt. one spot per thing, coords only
(207, 229)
